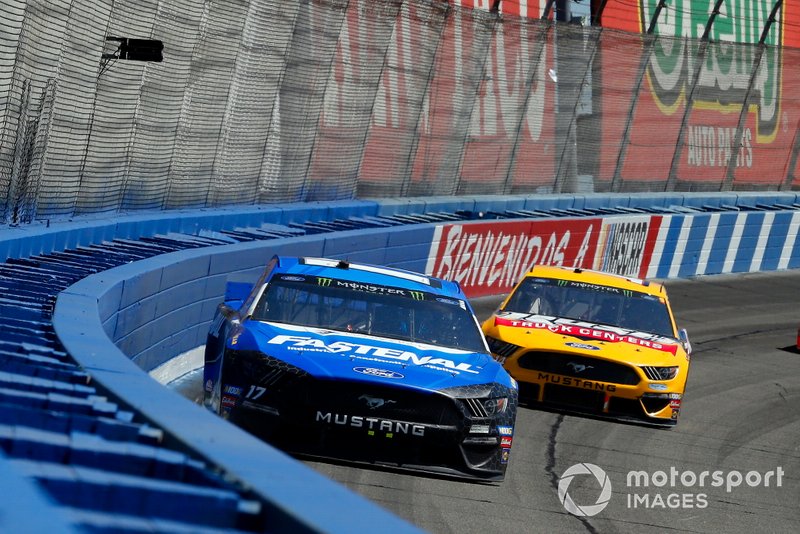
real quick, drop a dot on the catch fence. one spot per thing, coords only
(258, 101)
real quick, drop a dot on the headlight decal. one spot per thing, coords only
(501, 349)
(660, 373)
(483, 408)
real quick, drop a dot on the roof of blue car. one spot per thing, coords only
(362, 272)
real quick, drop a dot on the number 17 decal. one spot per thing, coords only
(255, 392)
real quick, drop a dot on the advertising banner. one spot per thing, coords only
(626, 244)
(489, 258)
(712, 138)
(460, 99)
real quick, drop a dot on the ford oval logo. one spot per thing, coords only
(373, 371)
(583, 346)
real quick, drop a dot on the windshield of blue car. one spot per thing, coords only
(592, 303)
(371, 309)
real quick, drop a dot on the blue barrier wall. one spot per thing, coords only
(158, 308)
(136, 316)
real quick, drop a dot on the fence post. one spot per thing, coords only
(676, 156)
(44, 120)
(559, 186)
(447, 9)
(792, 163)
(493, 22)
(616, 180)
(307, 185)
(395, 13)
(701, 57)
(736, 143)
(541, 39)
(22, 158)
(649, 41)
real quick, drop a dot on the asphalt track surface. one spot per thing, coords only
(740, 418)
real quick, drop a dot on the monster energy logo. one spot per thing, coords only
(324, 282)
(417, 295)
(590, 287)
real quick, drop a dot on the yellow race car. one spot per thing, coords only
(592, 342)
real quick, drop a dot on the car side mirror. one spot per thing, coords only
(683, 335)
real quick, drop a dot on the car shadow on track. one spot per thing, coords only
(560, 410)
(389, 468)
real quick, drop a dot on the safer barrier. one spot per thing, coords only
(489, 257)
(157, 308)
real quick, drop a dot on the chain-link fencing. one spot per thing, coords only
(259, 101)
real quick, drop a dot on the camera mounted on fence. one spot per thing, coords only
(136, 49)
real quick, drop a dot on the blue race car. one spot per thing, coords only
(364, 363)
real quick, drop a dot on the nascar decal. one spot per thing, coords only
(625, 245)
(369, 352)
(588, 330)
(489, 257)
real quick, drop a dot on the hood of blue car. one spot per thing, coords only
(357, 357)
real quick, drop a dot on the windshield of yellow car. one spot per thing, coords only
(371, 309)
(594, 303)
